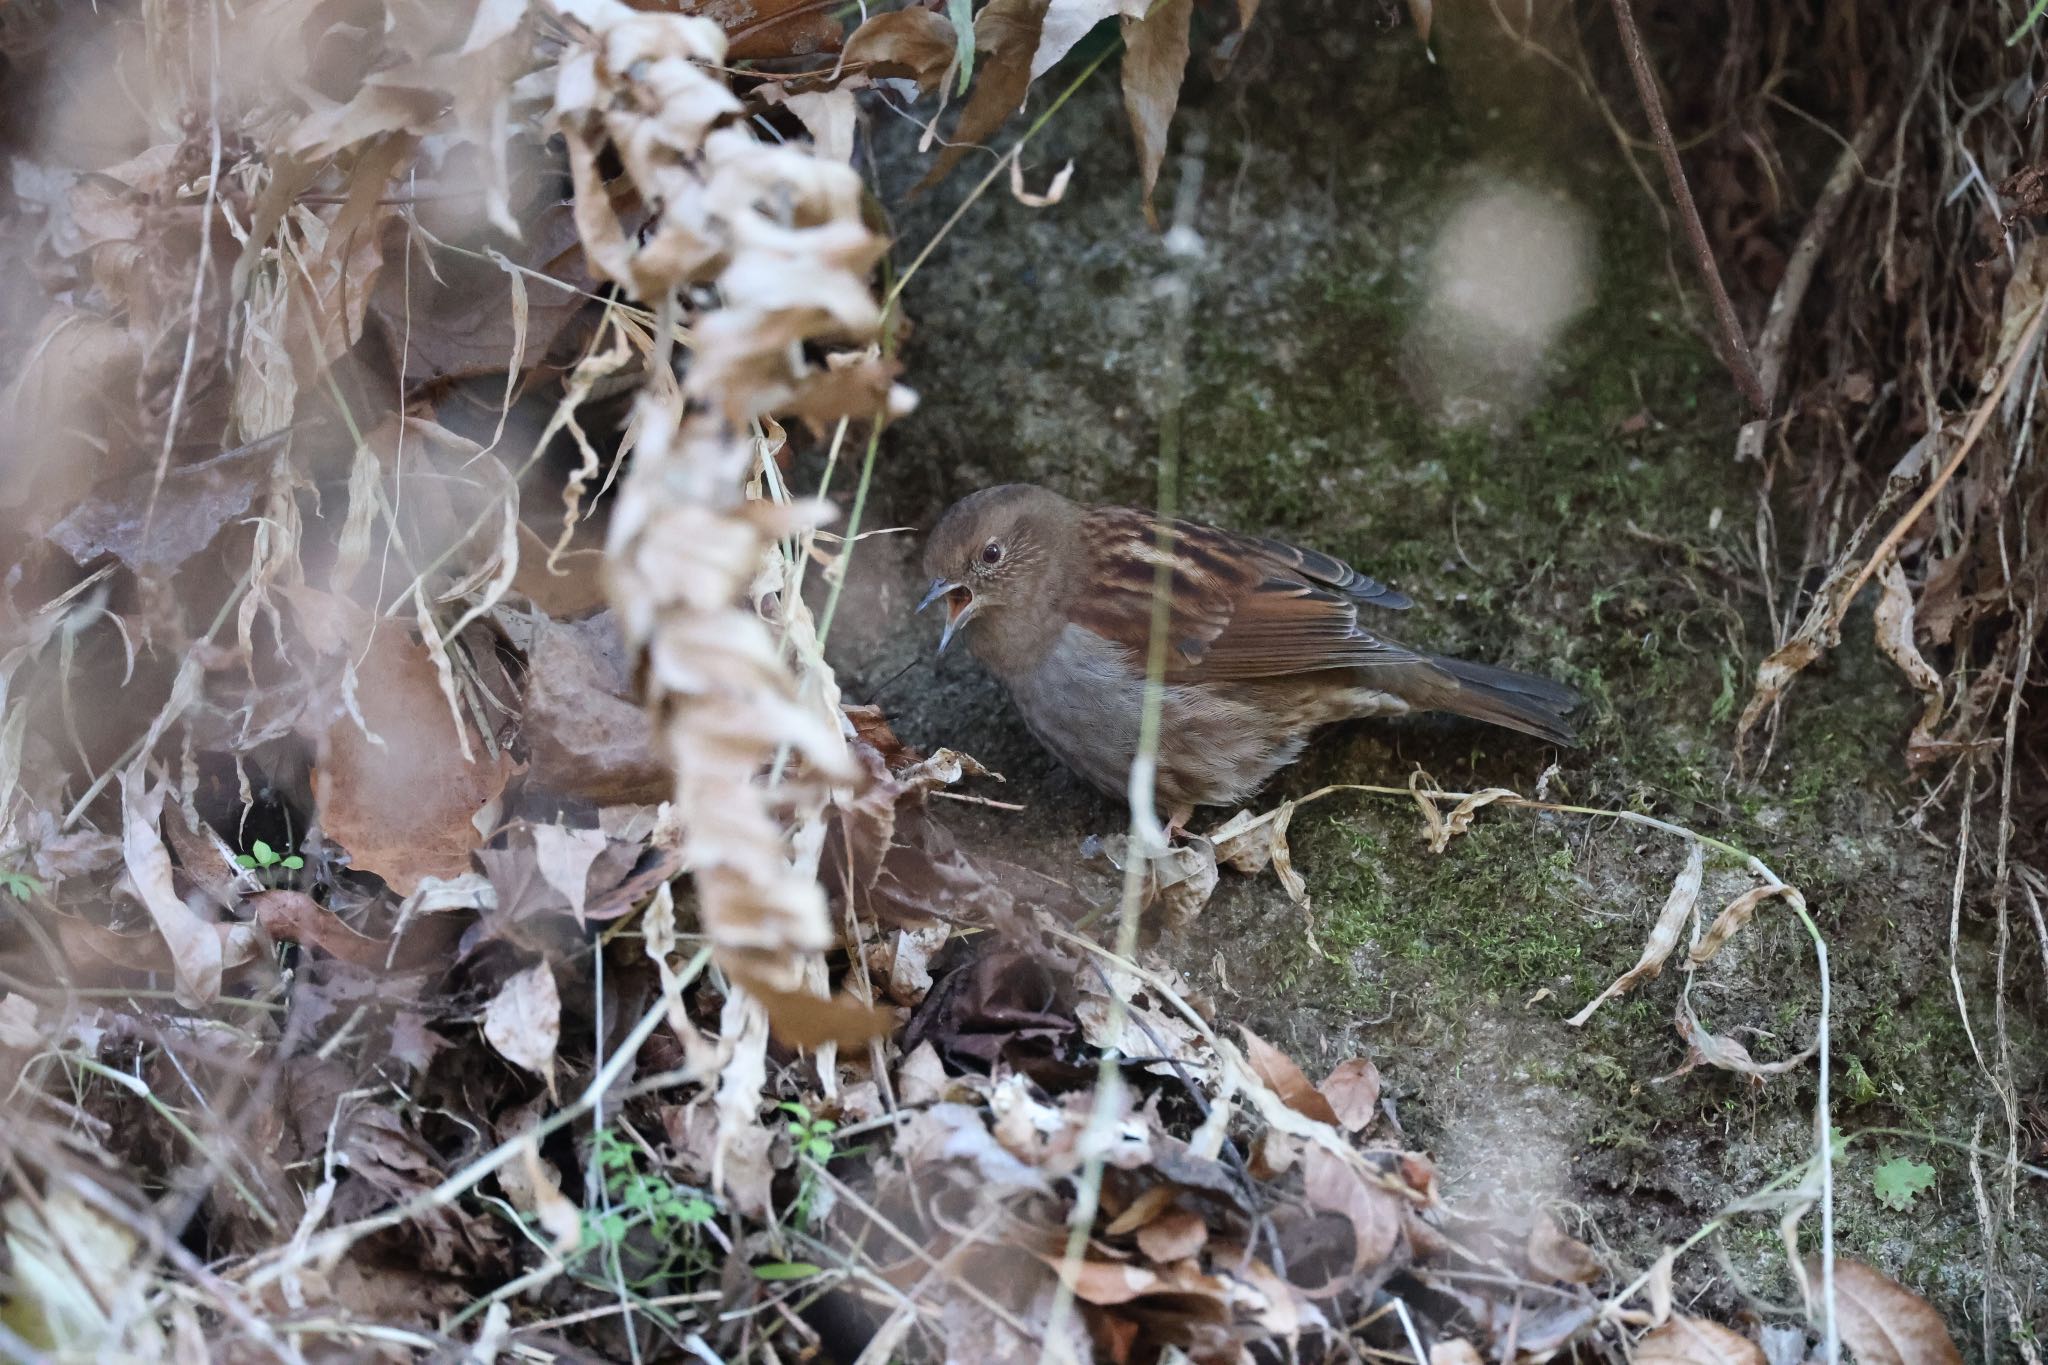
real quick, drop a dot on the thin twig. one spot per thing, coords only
(1799, 268)
(1737, 347)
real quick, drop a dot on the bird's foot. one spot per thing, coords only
(1177, 819)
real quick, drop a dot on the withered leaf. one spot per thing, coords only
(1711, 1049)
(1731, 919)
(1695, 1341)
(195, 503)
(1007, 33)
(194, 942)
(456, 320)
(524, 1021)
(1685, 893)
(298, 918)
(1376, 1213)
(1155, 59)
(1556, 1255)
(1884, 1322)
(586, 737)
(1278, 1070)
(913, 43)
(403, 803)
(1353, 1090)
(564, 857)
(1173, 1236)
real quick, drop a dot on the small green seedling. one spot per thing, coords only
(1900, 1181)
(812, 1137)
(642, 1197)
(20, 885)
(262, 857)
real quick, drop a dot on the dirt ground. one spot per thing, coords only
(1580, 515)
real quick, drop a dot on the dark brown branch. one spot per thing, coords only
(1736, 346)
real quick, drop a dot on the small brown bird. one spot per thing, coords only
(1263, 643)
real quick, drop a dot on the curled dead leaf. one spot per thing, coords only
(1731, 919)
(194, 942)
(1684, 895)
(1278, 1070)
(1710, 1049)
(1439, 828)
(913, 43)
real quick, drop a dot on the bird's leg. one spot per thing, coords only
(1177, 818)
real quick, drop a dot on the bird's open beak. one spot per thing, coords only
(960, 604)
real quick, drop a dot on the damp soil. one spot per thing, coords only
(1586, 520)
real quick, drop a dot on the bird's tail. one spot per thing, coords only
(1520, 701)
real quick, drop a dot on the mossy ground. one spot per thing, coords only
(1603, 535)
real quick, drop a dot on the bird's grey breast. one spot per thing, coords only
(1085, 699)
(1084, 702)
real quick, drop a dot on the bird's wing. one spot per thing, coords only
(1241, 607)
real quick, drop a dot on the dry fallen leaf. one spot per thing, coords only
(1278, 1070)
(1007, 33)
(564, 857)
(1173, 1236)
(524, 1021)
(1353, 1090)
(395, 790)
(1685, 893)
(1884, 1322)
(298, 918)
(194, 943)
(1556, 1255)
(1376, 1213)
(587, 738)
(1695, 1341)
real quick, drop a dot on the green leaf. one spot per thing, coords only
(244, 860)
(961, 13)
(1899, 1181)
(787, 1270)
(263, 851)
(295, 862)
(803, 1113)
(820, 1149)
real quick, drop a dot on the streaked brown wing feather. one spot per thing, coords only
(1242, 607)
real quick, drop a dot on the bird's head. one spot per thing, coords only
(998, 559)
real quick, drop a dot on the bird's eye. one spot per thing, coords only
(992, 553)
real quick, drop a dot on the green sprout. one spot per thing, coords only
(811, 1137)
(262, 857)
(640, 1198)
